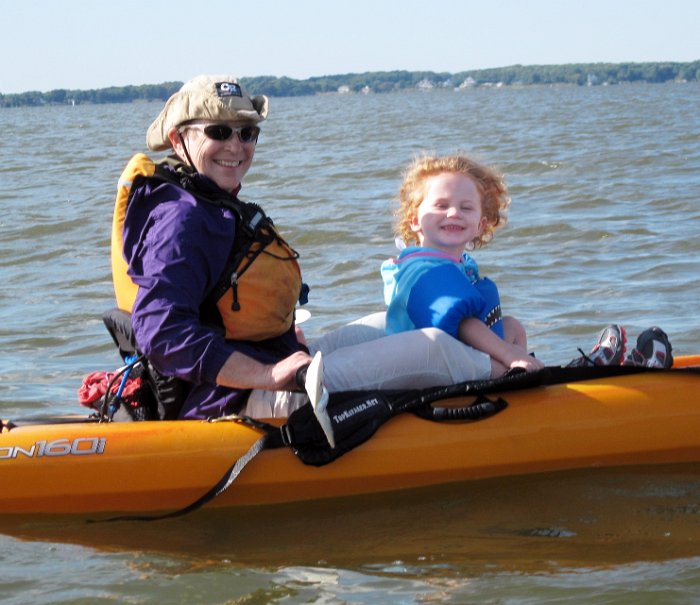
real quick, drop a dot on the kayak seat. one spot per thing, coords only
(166, 394)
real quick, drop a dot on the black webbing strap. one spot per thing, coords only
(269, 440)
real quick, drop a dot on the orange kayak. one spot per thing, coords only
(81, 466)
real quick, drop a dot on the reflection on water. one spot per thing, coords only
(586, 535)
(539, 523)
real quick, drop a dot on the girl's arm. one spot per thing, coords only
(475, 333)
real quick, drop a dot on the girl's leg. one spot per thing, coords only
(361, 330)
(361, 356)
(415, 359)
(514, 332)
(277, 404)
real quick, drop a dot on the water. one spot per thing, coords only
(603, 227)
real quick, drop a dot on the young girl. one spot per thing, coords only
(449, 204)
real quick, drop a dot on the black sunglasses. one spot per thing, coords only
(223, 132)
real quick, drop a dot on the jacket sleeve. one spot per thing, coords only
(174, 272)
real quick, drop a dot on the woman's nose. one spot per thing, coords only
(233, 142)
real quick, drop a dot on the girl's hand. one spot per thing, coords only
(527, 362)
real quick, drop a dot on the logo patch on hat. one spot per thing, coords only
(228, 89)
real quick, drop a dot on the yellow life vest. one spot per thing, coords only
(260, 287)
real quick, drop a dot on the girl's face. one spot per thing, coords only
(225, 162)
(450, 215)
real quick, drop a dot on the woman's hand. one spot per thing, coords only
(243, 372)
(284, 372)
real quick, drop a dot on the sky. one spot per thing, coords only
(86, 44)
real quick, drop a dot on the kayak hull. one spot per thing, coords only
(86, 467)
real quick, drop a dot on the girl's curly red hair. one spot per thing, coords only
(489, 181)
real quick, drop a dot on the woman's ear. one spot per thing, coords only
(175, 141)
(414, 222)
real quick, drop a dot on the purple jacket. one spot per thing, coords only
(176, 249)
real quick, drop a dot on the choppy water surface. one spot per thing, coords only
(603, 227)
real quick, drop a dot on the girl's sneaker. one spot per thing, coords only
(653, 350)
(608, 351)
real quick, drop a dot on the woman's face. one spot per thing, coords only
(226, 162)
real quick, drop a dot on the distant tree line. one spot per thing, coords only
(113, 94)
(580, 74)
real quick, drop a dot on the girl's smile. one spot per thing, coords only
(450, 215)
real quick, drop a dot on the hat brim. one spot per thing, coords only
(201, 104)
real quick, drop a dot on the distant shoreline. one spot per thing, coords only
(579, 74)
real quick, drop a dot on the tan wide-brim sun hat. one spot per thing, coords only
(220, 98)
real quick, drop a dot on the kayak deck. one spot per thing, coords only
(89, 467)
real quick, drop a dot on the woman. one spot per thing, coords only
(192, 300)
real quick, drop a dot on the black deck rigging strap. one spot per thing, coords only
(222, 485)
